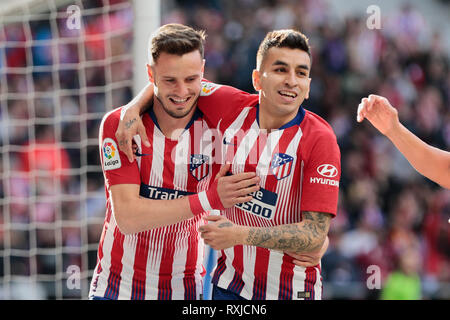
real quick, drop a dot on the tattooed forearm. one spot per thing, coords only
(305, 236)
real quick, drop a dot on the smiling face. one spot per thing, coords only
(177, 80)
(283, 82)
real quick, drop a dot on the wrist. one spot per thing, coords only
(241, 235)
(395, 131)
(205, 201)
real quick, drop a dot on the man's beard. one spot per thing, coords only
(174, 114)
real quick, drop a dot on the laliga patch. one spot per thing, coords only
(111, 159)
(208, 88)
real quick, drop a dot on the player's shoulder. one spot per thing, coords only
(208, 88)
(214, 90)
(318, 134)
(316, 125)
(111, 119)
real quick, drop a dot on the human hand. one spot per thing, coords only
(221, 233)
(236, 188)
(130, 124)
(225, 191)
(381, 114)
(310, 259)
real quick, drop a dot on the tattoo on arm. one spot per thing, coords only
(128, 124)
(225, 225)
(305, 236)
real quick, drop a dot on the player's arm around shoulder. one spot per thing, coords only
(218, 101)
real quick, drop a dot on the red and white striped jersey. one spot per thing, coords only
(160, 263)
(299, 167)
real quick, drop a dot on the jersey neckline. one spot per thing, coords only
(197, 115)
(294, 122)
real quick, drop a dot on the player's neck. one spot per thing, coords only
(170, 126)
(271, 121)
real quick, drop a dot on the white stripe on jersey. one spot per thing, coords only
(284, 185)
(273, 274)
(228, 274)
(102, 278)
(129, 251)
(249, 254)
(156, 173)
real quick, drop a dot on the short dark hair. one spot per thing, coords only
(175, 39)
(286, 38)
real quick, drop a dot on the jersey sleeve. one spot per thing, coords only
(217, 101)
(115, 165)
(321, 174)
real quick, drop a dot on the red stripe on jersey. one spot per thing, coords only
(286, 276)
(112, 290)
(260, 282)
(310, 281)
(165, 271)
(140, 264)
(169, 164)
(220, 268)
(237, 284)
(191, 263)
(102, 237)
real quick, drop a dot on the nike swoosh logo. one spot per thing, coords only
(142, 154)
(228, 142)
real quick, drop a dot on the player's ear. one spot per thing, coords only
(203, 68)
(307, 91)
(256, 77)
(150, 73)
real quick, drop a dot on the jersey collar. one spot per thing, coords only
(294, 122)
(197, 114)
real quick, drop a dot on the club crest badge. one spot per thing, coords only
(281, 165)
(199, 166)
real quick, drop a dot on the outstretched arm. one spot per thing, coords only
(432, 162)
(306, 236)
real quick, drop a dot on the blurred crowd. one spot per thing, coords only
(392, 223)
(56, 84)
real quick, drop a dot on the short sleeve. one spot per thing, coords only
(321, 174)
(115, 165)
